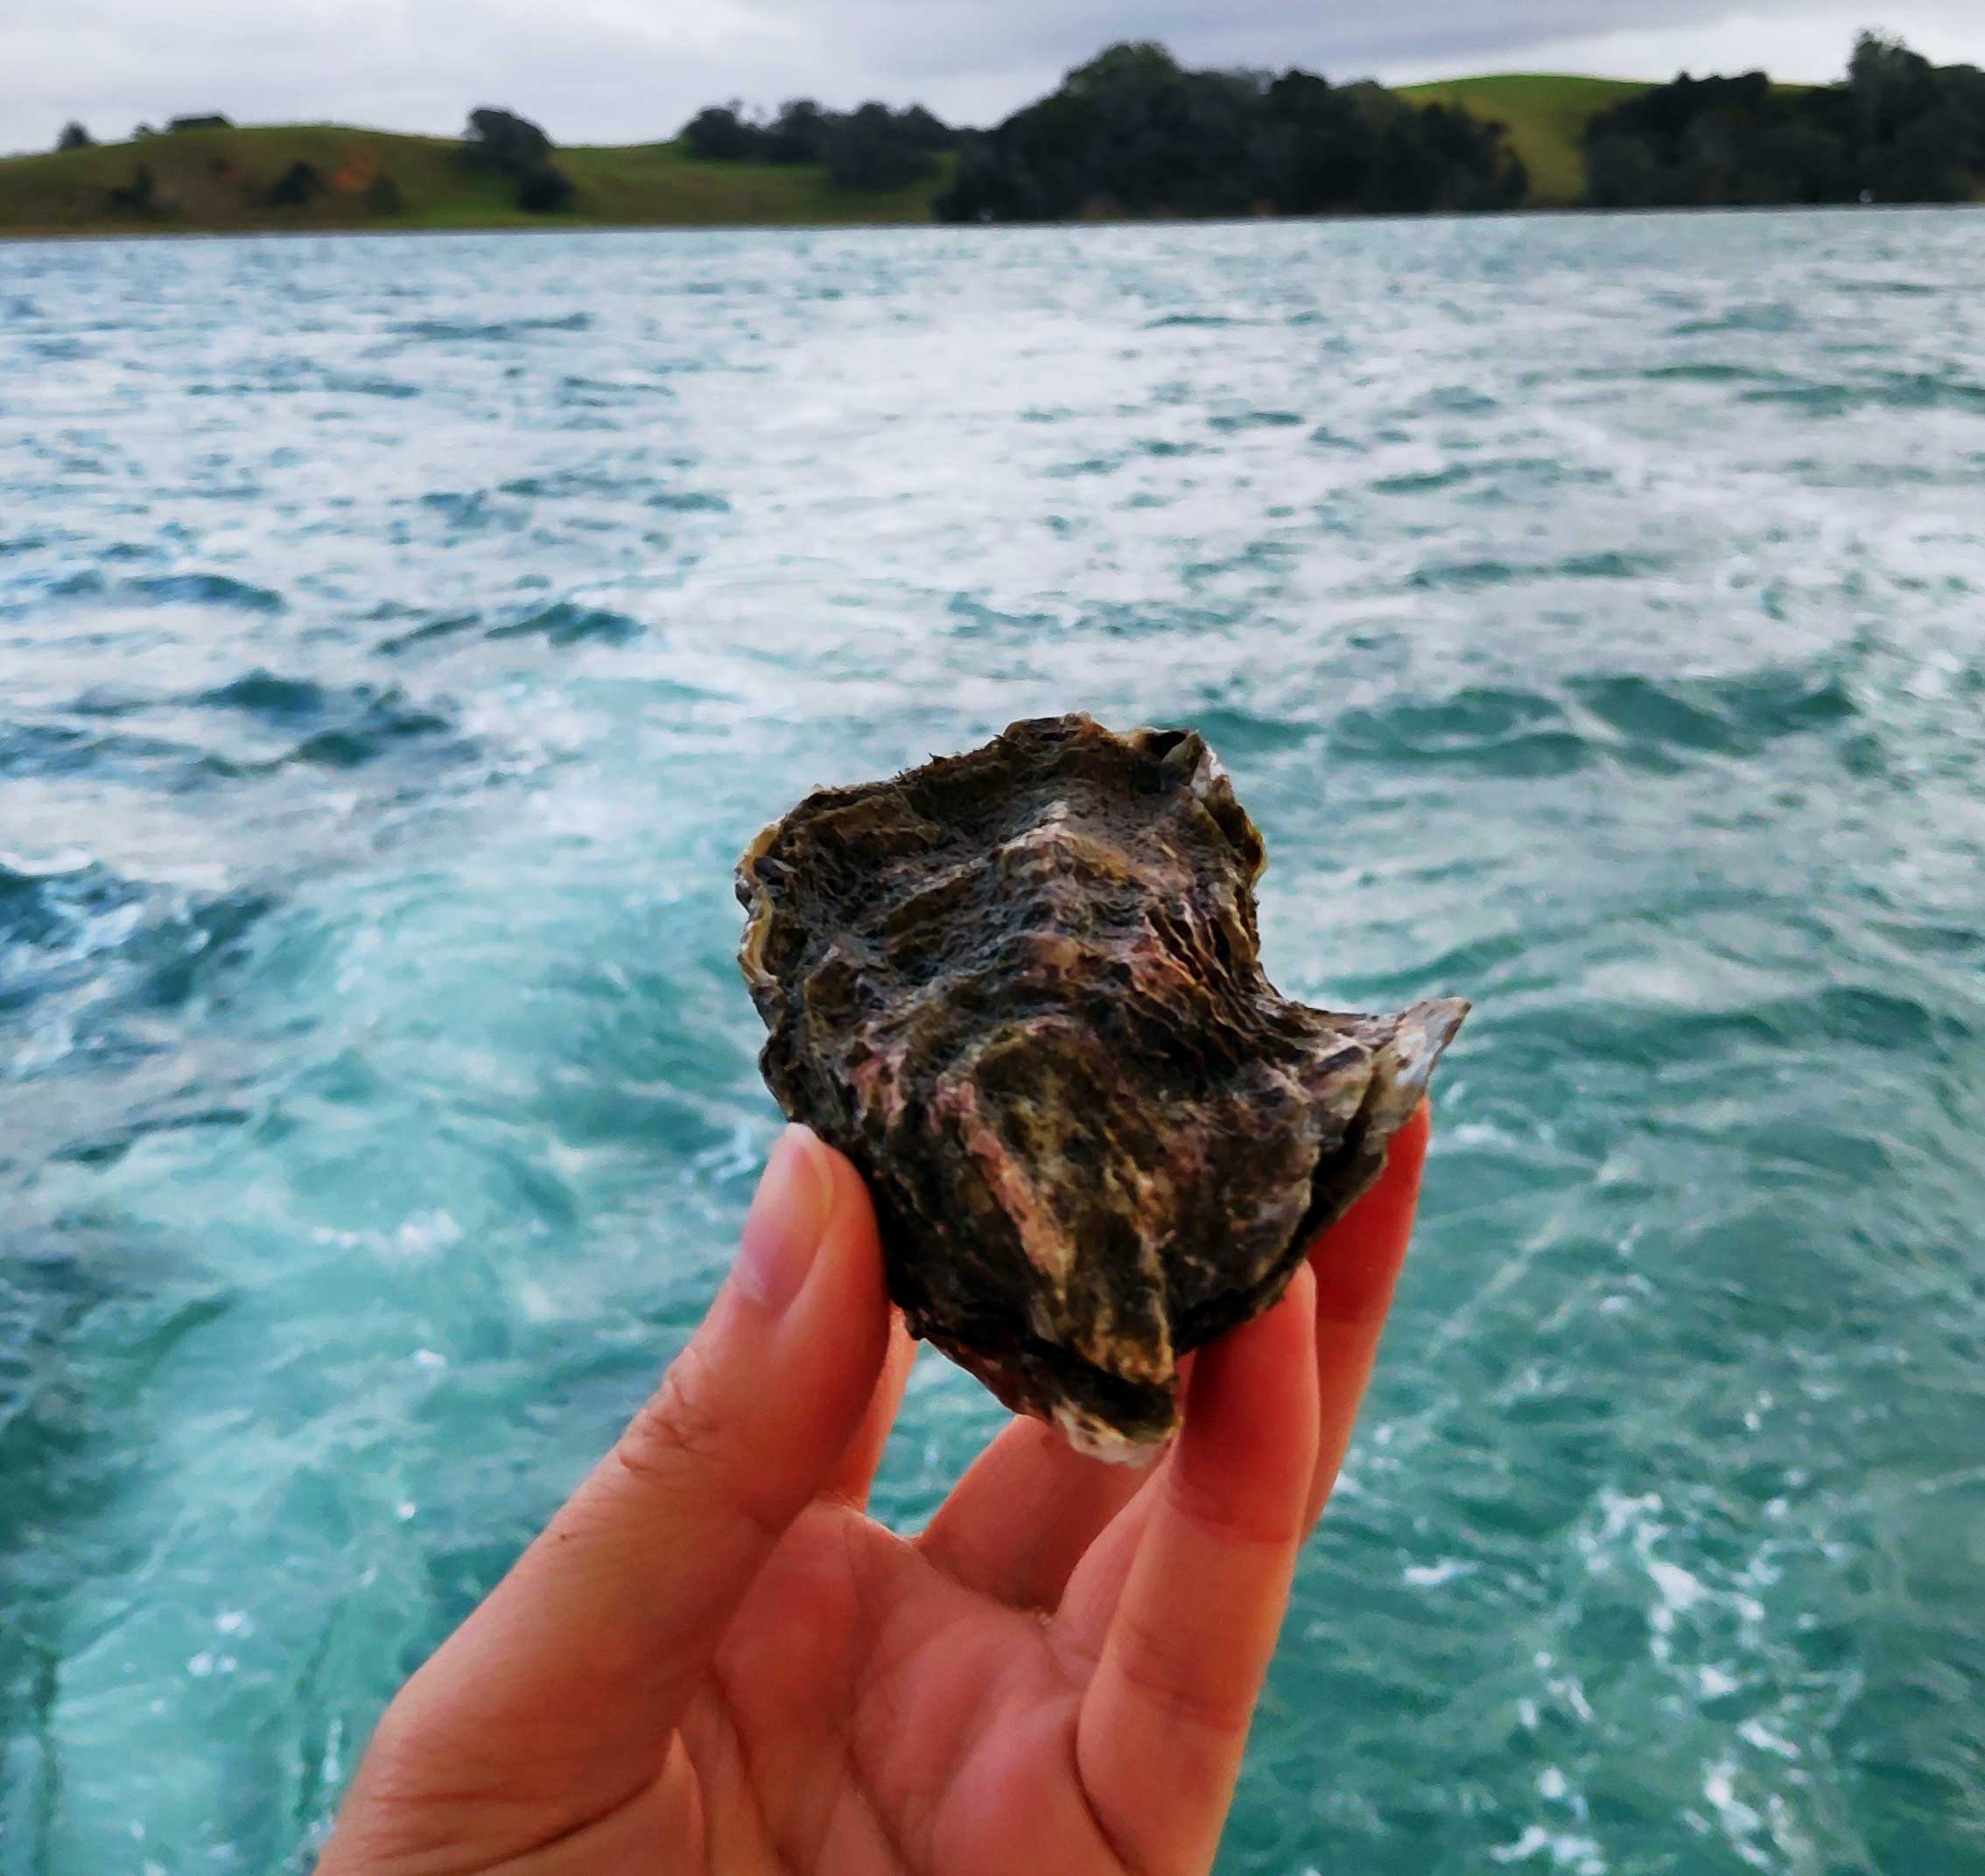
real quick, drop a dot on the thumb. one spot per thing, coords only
(590, 1648)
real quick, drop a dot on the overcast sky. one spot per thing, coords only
(615, 71)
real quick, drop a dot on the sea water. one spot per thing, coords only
(400, 638)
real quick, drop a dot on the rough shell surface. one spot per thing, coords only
(1019, 989)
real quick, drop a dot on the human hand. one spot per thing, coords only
(711, 1661)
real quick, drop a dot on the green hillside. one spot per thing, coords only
(221, 179)
(1545, 113)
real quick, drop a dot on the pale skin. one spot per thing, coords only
(712, 1661)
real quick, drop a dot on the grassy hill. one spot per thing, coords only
(1545, 113)
(221, 179)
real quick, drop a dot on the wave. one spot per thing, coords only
(1889, 289)
(108, 701)
(339, 727)
(44, 749)
(383, 723)
(1470, 576)
(263, 694)
(565, 484)
(456, 332)
(1622, 715)
(1464, 575)
(1712, 371)
(563, 623)
(1928, 390)
(44, 908)
(452, 626)
(1722, 716)
(1235, 733)
(1453, 400)
(569, 624)
(1425, 482)
(1499, 733)
(90, 959)
(1898, 390)
(205, 589)
(689, 502)
(348, 384)
(174, 955)
(463, 508)
(1085, 465)
(1767, 317)
(106, 1149)
(1647, 1036)
(1229, 422)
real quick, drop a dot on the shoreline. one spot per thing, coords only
(1542, 211)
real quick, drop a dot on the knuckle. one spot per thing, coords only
(1162, 1666)
(688, 1442)
(682, 1427)
(420, 1760)
(1221, 1515)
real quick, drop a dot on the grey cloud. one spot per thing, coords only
(937, 40)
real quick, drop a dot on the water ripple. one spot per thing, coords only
(397, 660)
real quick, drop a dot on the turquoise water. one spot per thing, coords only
(398, 640)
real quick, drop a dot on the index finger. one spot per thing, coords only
(1356, 1265)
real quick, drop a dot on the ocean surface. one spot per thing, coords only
(399, 638)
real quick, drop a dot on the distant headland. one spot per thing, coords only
(1130, 135)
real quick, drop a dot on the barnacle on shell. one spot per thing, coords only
(1019, 989)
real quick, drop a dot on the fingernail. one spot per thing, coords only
(788, 1218)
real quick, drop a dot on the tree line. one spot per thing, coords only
(1897, 129)
(76, 137)
(870, 147)
(1134, 133)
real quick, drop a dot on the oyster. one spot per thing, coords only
(1019, 988)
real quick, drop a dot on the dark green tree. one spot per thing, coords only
(1896, 128)
(1132, 132)
(296, 185)
(544, 189)
(798, 134)
(719, 134)
(137, 197)
(926, 129)
(501, 140)
(514, 146)
(1621, 171)
(872, 148)
(1890, 85)
(74, 136)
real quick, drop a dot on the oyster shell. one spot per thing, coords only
(1019, 989)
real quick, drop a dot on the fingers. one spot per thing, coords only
(1020, 1519)
(1159, 1738)
(854, 1475)
(1356, 1263)
(581, 1659)
(1095, 1584)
